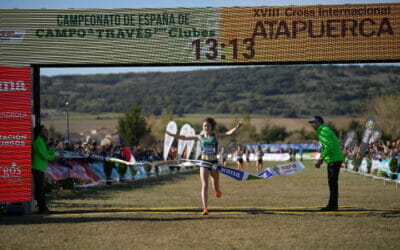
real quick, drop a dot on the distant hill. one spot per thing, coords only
(286, 91)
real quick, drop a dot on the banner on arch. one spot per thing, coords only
(15, 134)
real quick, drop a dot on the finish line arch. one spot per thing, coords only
(35, 38)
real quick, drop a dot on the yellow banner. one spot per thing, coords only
(312, 33)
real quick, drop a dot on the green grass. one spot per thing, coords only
(164, 213)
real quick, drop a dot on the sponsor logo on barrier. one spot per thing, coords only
(285, 169)
(13, 140)
(236, 174)
(12, 35)
(265, 174)
(12, 86)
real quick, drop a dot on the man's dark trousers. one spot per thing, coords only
(38, 177)
(333, 177)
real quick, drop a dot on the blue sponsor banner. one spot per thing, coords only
(265, 174)
(275, 148)
(233, 173)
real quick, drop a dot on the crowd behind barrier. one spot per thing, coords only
(380, 160)
(285, 148)
(73, 165)
(73, 169)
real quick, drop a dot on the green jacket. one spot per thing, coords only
(41, 154)
(331, 150)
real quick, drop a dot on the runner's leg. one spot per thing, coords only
(204, 173)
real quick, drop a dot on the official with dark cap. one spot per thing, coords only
(332, 154)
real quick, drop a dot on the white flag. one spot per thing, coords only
(185, 130)
(190, 144)
(168, 140)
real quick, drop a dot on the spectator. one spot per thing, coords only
(291, 153)
(332, 154)
(301, 152)
(40, 157)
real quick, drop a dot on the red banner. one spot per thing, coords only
(15, 134)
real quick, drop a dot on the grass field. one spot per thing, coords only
(164, 213)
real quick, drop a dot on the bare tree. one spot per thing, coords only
(385, 111)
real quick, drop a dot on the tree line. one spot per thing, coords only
(135, 129)
(287, 91)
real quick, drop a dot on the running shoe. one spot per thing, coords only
(205, 212)
(218, 193)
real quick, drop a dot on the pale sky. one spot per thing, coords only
(134, 4)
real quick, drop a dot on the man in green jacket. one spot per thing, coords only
(40, 157)
(331, 153)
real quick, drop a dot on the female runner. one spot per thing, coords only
(239, 158)
(209, 151)
(259, 156)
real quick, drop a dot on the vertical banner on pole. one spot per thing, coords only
(15, 134)
(369, 127)
(168, 140)
(185, 130)
(190, 144)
